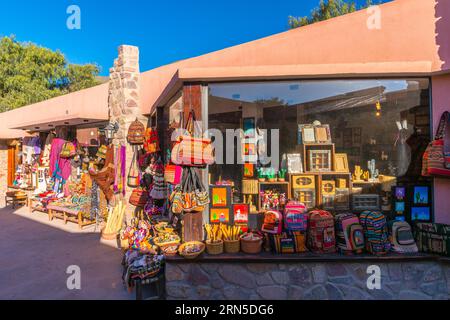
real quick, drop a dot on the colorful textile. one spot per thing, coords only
(59, 167)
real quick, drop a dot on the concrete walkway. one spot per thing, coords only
(35, 254)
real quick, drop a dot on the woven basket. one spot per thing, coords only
(251, 246)
(232, 246)
(191, 255)
(214, 248)
(136, 133)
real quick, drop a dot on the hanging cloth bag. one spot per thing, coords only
(133, 179)
(151, 140)
(136, 132)
(436, 159)
(191, 151)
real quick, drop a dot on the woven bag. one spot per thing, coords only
(136, 133)
(436, 159)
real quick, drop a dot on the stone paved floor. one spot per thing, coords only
(35, 254)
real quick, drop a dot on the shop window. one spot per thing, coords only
(366, 136)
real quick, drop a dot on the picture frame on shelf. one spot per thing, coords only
(303, 182)
(308, 134)
(306, 196)
(322, 133)
(328, 187)
(341, 163)
(319, 160)
(294, 163)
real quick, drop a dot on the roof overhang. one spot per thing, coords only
(75, 120)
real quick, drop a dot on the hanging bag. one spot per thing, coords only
(195, 197)
(139, 197)
(133, 179)
(151, 140)
(436, 159)
(191, 151)
(172, 174)
(68, 150)
(136, 132)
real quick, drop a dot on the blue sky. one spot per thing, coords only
(165, 31)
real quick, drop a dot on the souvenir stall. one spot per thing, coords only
(147, 236)
(72, 175)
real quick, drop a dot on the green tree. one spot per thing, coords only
(327, 9)
(30, 73)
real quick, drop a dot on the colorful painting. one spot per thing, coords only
(249, 149)
(220, 196)
(399, 206)
(421, 195)
(240, 213)
(219, 215)
(249, 170)
(400, 193)
(421, 213)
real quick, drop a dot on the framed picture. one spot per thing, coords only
(308, 134)
(399, 193)
(319, 160)
(240, 214)
(322, 133)
(341, 162)
(420, 213)
(249, 149)
(220, 196)
(219, 215)
(249, 170)
(249, 127)
(306, 196)
(421, 195)
(302, 182)
(294, 163)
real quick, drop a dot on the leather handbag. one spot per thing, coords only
(139, 197)
(191, 151)
(436, 159)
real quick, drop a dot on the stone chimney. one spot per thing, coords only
(124, 103)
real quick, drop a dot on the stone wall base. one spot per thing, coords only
(306, 281)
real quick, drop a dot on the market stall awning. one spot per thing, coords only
(78, 108)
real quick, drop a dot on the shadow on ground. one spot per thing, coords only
(34, 258)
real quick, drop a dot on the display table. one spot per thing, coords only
(14, 200)
(35, 204)
(68, 214)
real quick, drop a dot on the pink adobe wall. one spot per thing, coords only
(441, 103)
(407, 34)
